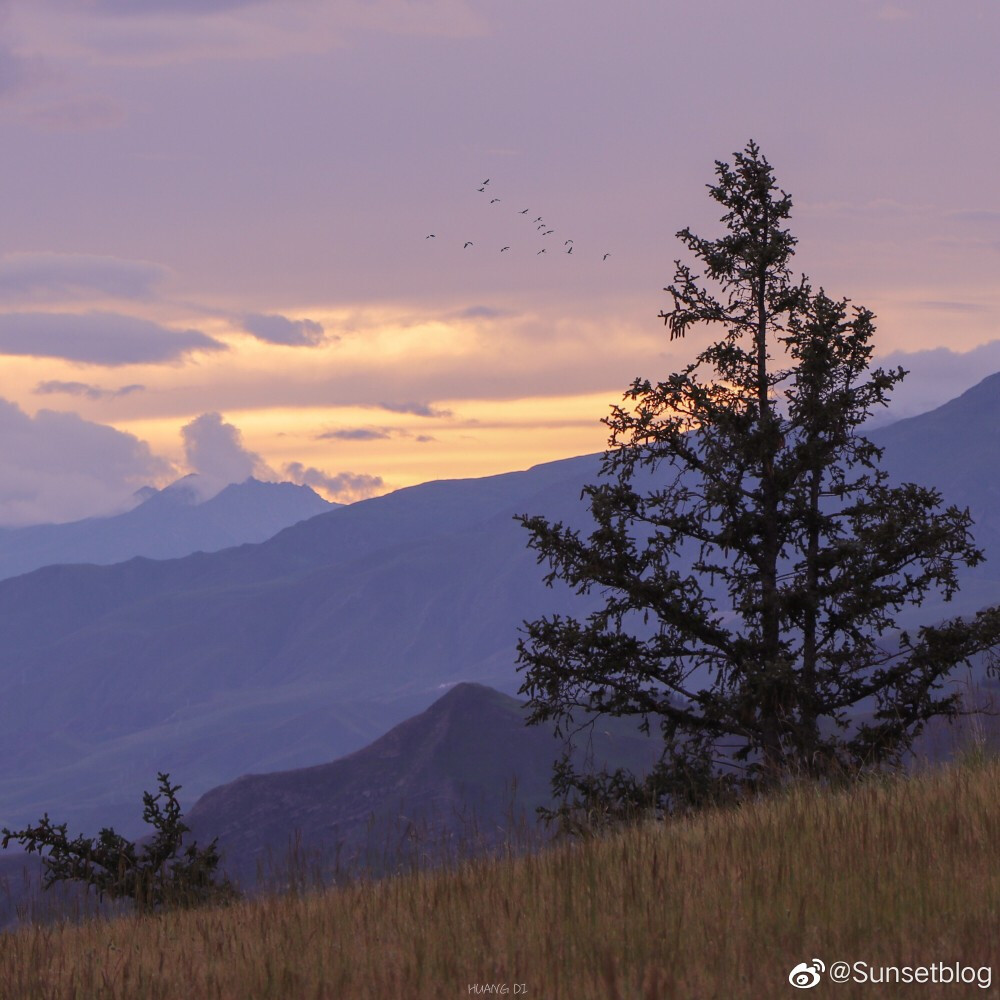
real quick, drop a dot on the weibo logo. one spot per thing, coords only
(805, 975)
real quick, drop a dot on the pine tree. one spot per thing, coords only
(750, 551)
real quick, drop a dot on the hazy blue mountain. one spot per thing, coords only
(460, 776)
(165, 524)
(308, 646)
(957, 449)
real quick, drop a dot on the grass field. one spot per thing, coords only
(892, 872)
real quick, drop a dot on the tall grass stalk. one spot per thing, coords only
(901, 871)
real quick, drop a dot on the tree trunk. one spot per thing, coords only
(771, 708)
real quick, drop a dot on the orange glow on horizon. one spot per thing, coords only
(476, 438)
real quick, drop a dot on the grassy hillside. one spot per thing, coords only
(901, 872)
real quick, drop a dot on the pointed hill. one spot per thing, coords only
(467, 768)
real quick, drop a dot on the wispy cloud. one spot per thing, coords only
(943, 305)
(356, 434)
(168, 32)
(482, 312)
(416, 409)
(179, 7)
(344, 487)
(55, 387)
(61, 276)
(976, 215)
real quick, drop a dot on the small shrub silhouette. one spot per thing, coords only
(159, 875)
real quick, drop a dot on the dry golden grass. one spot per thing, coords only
(892, 872)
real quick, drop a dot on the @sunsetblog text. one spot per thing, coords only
(806, 975)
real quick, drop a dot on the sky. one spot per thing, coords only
(216, 251)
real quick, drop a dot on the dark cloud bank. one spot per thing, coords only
(98, 338)
(276, 329)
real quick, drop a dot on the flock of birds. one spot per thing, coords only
(541, 226)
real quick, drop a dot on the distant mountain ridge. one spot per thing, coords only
(166, 524)
(308, 646)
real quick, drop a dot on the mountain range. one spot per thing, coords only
(164, 524)
(310, 645)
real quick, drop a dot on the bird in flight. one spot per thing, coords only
(570, 250)
(468, 243)
(567, 243)
(485, 182)
(481, 189)
(606, 256)
(524, 211)
(540, 251)
(539, 219)
(429, 236)
(504, 248)
(547, 232)
(493, 200)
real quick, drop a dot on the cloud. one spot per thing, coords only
(344, 487)
(215, 450)
(74, 275)
(98, 338)
(976, 215)
(356, 434)
(84, 389)
(281, 330)
(167, 32)
(951, 306)
(417, 409)
(482, 312)
(424, 438)
(58, 467)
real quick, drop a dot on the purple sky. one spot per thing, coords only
(213, 250)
